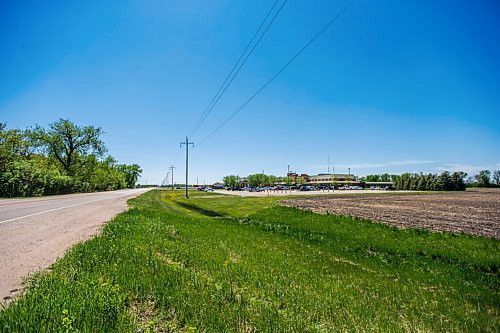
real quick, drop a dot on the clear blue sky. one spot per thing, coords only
(392, 86)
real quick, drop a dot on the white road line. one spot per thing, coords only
(53, 210)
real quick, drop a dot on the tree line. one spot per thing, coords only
(63, 158)
(255, 180)
(446, 181)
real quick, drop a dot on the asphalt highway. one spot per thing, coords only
(34, 232)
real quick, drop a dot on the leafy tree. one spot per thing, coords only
(496, 177)
(483, 178)
(271, 180)
(63, 159)
(385, 177)
(373, 178)
(445, 181)
(68, 142)
(288, 180)
(132, 173)
(457, 179)
(422, 183)
(257, 180)
(13, 146)
(108, 176)
(300, 180)
(231, 181)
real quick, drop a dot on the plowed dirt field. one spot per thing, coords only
(475, 212)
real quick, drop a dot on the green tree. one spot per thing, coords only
(385, 177)
(288, 180)
(131, 172)
(483, 178)
(496, 177)
(108, 176)
(458, 180)
(373, 178)
(231, 181)
(271, 180)
(257, 180)
(300, 180)
(13, 146)
(68, 142)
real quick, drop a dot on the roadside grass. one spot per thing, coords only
(232, 264)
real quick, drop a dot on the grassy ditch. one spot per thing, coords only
(231, 264)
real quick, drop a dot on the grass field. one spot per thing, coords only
(230, 264)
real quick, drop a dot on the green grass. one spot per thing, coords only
(232, 264)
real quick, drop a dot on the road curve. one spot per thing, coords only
(34, 232)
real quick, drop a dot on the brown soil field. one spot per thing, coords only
(475, 212)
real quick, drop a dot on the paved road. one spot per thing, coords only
(34, 232)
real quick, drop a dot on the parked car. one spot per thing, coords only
(307, 188)
(201, 188)
(208, 189)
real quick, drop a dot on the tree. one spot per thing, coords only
(257, 180)
(300, 180)
(68, 142)
(132, 173)
(483, 178)
(13, 146)
(458, 180)
(271, 180)
(372, 178)
(288, 180)
(385, 177)
(496, 177)
(231, 181)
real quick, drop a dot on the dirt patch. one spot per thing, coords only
(475, 212)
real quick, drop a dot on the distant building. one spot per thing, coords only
(325, 179)
(332, 179)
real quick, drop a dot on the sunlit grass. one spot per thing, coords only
(232, 264)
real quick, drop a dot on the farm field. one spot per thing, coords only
(475, 212)
(218, 263)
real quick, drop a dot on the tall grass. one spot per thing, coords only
(230, 264)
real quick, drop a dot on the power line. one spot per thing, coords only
(232, 74)
(279, 72)
(177, 154)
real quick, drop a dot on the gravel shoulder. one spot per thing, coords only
(35, 232)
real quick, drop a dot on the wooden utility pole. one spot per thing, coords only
(172, 169)
(187, 143)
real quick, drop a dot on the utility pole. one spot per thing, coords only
(172, 169)
(328, 164)
(333, 175)
(187, 143)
